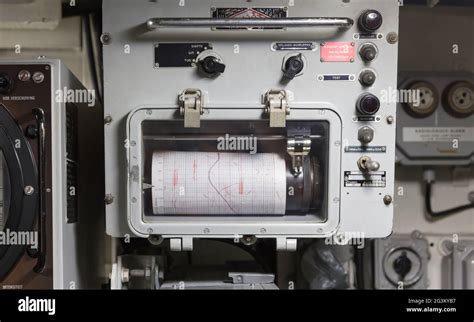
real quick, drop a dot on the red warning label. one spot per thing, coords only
(341, 51)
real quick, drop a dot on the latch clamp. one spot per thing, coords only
(191, 106)
(276, 105)
(298, 147)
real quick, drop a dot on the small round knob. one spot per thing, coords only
(211, 66)
(6, 84)
(293, 66)
(370, 20)
(368, 104)
(368, 52)
(367, 78)
(31, 132)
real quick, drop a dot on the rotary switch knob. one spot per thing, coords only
(6, 84)
(367, 78)
(368, 52)
(211, 66)
(402, 266)
(370, 20)
(293, 66)
(368, 104)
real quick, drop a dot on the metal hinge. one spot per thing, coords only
(286, 244)
(298, 147)
(276, 105)
(181, 244)
(191, 106)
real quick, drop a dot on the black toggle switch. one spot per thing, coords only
(367, 78)
(370, 20)
(6, 84)
(211, 66)
(368, 104)
(293, 66)
(368, 52)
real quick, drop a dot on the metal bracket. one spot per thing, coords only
(276, 105)
(286, 244)
(298, 147)
(252, 278)
(181, 244)
(191, 106)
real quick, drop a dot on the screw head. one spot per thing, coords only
(392, 38)
(387, 200)
(109, 199)
(105, 38)
(471, 196)
(417, 234)
(38, 77)
(108, 119)
(390, 119)
(24, 75)
(29, 190)
(461, 248)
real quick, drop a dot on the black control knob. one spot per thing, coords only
(367, 78)
(370, 20)
(368, 104)
(31, 132)
(368, 52)
(6, 84)
(293, 66)
(402, 266)
(211, 66)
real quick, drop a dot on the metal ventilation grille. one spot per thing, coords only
(71, 150)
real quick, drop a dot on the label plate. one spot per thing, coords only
(244, 13)
(294, 46)
(365, 149)
(370, 180)
(339, 51)
(438, 134)
(178, 54)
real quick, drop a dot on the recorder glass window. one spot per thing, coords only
(231, 168)
(4, 192)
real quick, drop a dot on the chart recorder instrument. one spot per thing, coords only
(264, 119)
